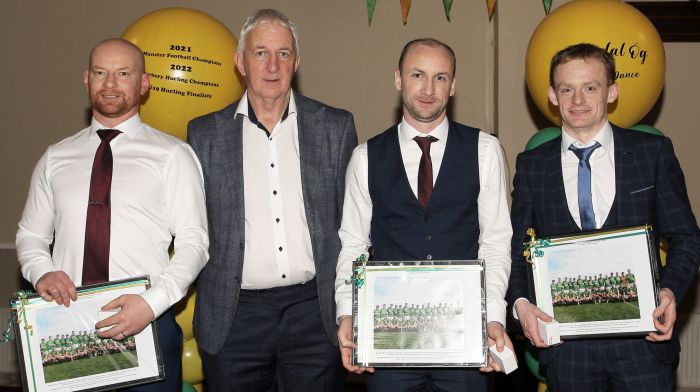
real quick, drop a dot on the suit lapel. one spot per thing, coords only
(624, 167)
(552, 164)
(310, 156)
(230, 131)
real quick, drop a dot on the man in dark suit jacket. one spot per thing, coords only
(274, 167)
(635, 179)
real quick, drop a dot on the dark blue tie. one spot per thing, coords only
(585, 198)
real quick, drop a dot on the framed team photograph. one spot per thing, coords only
(60, 350)
(602, 283)
(419, 314)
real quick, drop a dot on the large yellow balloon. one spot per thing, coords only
(192, 370)
(184, 313)
(190, 56)
(621, 29)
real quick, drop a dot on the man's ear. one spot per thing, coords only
(239, 64)
(86, 80)
(552, 96)
(145, 83)
(397, 80)
(613, 91)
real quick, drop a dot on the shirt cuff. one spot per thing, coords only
(515, 314)
(157, 300)
(496, 312)
(342, 309)
(38, 272)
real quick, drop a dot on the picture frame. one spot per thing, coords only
(597, 284)
(59, 350)
(419, 313)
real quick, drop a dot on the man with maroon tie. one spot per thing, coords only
(110, 199)
(426, 189)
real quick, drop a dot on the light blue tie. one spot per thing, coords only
(585, 198)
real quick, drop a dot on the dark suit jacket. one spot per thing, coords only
(649, 189)
(326, 140)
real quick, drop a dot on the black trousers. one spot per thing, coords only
(277, 343)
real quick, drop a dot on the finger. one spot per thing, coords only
(63, 292)
(72, 292)
(542, 315)
(46, 295)
(485, 369)
(113, 304)
(535, 338)
(500, 341)
(347, 362)
(56, 295)
(660, 337)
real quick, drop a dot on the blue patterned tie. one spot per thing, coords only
(585, 198)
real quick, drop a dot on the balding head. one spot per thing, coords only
(120, 43)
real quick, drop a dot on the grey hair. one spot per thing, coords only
(263, 16)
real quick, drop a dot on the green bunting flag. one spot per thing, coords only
(448, 7)
(370, 9)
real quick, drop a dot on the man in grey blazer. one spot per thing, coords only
(274, 171)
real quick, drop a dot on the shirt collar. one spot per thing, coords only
(244, 108)
(407, 132)
(130, 127)
(604, 136)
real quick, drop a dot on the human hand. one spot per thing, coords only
(664, 317)
(133, 316)
(496, 335)
(346, 345)
(57, 286)
(528, 315)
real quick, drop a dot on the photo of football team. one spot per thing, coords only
(417, 325)
(83, 353)
(610, 295)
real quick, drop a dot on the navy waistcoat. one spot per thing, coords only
(448, 228)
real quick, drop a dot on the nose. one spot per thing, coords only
(428, 87)
(578, 97)
(273, 64)
(110, 80)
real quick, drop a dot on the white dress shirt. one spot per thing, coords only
(157, 193)
(494, 218)
(277, 240)
(602, 163)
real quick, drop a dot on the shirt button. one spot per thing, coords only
(274, 192)
(284, 276)
(277, 220)
(428, 238)
(429, 257)
(280, 248)
(272, 165)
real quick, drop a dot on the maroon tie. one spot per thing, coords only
(96, 254)
(425, 170)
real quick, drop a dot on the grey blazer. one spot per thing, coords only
(327, 138)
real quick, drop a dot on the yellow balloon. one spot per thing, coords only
(190, 57)
(184, 313)
(619, 28)
(541, 387)
(192, 370)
